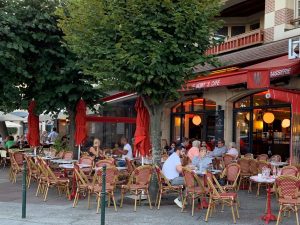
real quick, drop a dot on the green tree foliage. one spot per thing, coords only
(149, 47)
(34, 63)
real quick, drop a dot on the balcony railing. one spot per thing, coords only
(240, 41)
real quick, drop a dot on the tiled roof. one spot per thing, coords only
(248, 56)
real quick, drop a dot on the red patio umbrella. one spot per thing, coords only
(141, 135)
(33, 135)
(80, 133)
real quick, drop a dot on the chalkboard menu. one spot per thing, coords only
(219, 127)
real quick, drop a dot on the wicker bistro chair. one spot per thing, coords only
(165, 187)
(96, 186)
(249, 156)
(103, 162)
(232, 174)
(253, 170)
(194, 187)
(275, 158)
(53, 180)
(32, 171)
(262, 157)
(245, 171)
(290, 170)
(88, 161)
(16, 161)
(68, 155)
(82, 183)
(227, 159)
(138, 183)
(288, 190)
(218, 195)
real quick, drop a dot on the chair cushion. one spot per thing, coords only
(289, 201)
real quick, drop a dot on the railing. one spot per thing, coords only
(240, 41)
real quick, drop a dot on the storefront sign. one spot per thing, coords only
(224, 80)
(280, 72)
(219, 127)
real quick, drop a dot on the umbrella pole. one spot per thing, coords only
(79, 151)
(34, 150)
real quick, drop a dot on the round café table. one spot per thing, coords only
(269, 216)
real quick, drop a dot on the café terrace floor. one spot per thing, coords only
(58, 210)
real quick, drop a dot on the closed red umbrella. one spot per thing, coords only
(80, 132)
(141, 135)
(33, 135)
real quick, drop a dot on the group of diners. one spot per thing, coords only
(197, 157)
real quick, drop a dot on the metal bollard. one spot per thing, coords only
(103, 195)
(24, 189)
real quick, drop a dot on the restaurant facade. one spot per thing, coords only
(240, 101)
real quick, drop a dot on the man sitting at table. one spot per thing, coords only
(126, 152)
(172, 169)
(202, 162)
(219, 150)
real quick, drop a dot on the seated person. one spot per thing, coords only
(194, 151)
(171, 150)
(95, 150)
(219, 150)
(232, 150)
(172, 169)
(126, 152)
(10, 142)
(203, 161)
(204, 144)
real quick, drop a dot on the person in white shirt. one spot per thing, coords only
(127, 150)
(52, 136)
(232, 150)
(172, 169)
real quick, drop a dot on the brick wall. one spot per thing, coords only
(270, 6)
(283, 16)
(269, 34)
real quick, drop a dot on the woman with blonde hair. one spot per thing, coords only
(95, 150)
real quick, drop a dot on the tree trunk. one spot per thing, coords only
(155, 124)
(72, 133)
(3, 130)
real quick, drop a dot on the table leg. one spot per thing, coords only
(73, 193)
(269, 216)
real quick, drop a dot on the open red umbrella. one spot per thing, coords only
(141, 135)
(33, 135)
(80, 132)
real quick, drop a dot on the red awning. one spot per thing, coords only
(276, 68)
(219, 80)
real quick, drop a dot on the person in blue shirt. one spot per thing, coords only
(219, 150)
(203, 161)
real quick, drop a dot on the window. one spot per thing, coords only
(236, 30)
(223, 31)
(255, 26)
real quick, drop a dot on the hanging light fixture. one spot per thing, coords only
(286, 123)
(177, 121)
(196, 120)
(268, 117)
(248, 116)
(258, 125)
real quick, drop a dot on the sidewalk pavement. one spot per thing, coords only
(59, 211)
